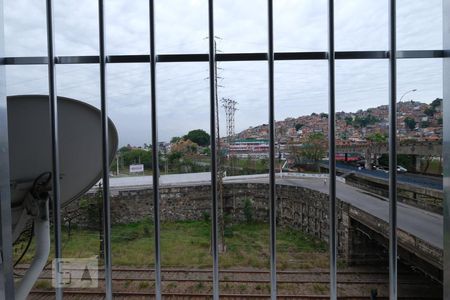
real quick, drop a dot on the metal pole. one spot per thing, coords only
(55, 143)
(392, 151)
(332, 152)
(105, 154)
(155, 150)
(272, 183)
(446, 148)
(212, 121)
(6, 276)
(406, 93)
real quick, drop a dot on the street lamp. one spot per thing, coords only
(407, 92)
(404, 94)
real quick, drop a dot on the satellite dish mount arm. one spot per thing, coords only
(36, 205)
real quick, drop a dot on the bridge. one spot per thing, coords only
(303, 203)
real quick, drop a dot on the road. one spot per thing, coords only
(423, 224)
(430, 182)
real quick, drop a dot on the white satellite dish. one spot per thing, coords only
(30, 154)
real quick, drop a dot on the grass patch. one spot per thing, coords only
(187, 245)
(43, 284)
(320, 288)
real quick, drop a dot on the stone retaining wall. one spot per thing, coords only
(300, 208)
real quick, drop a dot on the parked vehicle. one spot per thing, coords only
(401, 169)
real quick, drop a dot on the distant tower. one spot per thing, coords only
(229, 106)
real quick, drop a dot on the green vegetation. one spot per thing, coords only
(134, 156)
(429, 111)
(320, 288)
(43, 284)
(424, 124)
(175, 139)
(298, 126)
(436, 103)
(364, 121)
(187, 244)
(377, 137)
(349, 121)
(314, 147)
(246, 166)
(248, 210)
(410, 123)
(198, 136)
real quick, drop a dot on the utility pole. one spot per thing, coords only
(229, 106)
(220, 167)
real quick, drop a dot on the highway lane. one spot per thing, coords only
(430, 182)
(420, 223)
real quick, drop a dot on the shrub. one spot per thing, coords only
(205, 216)
(248, 210)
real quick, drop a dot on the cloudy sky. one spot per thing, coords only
(181, 27)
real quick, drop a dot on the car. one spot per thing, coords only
(401, 169)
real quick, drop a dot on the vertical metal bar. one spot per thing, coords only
(212, 121)
(272, 185)
(55, 142)
(332, 152)
(446, 148)
(392, 151)
(105, 154)
(155, 150)
(6, 276)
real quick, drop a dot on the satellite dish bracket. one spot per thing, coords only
(36, 206)
(42, 249)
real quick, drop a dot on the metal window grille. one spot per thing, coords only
(102, 60)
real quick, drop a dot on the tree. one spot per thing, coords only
(429, 111)
(436, 102)
(298, 126)
(182, 156)
(175, 139)
(125, 149)
(185, 147)
(424, 124)
(349, 121)
(377, 137)
(324, 115)
(314, 146)
(365, 121)
(198, 136)
(206, 151)
(410, 123)
(135, 156)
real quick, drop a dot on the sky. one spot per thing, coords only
(240, 26)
